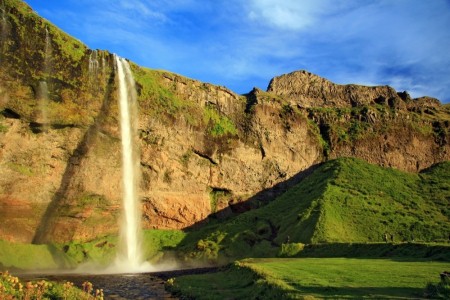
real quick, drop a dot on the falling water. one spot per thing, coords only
(43, 104)
(103, 67)
(4, 24)
(46, 67)
(4, 32)
(129, 257)
(43, 90)
(93, 64)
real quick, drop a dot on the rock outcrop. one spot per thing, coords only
(205, 151)
(309, 90)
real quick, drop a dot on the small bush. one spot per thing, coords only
(438, 291)
(290, 249)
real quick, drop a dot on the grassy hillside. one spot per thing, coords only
(344, 201)
(334, 278)
(101, 251)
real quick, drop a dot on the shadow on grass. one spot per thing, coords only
(59, 257)
(400, 251)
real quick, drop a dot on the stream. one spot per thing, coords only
(122, 286)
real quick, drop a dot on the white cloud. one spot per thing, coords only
(291, 14)
(140, 9)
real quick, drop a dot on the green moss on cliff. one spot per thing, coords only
(161, 102)
(35, 54)
(218, 125)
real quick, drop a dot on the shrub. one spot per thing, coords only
(290, 249)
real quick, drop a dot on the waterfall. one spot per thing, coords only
(4, 32)
(129, 257)
(103, 67)
(42, 95)
(93, 64)
(47, 53)
(43, 89)
(4, 25)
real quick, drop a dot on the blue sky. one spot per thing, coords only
(242, 44)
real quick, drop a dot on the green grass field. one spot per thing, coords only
(310, 278)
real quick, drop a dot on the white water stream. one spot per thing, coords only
(130, 258)
(43, 90)
(93, 64)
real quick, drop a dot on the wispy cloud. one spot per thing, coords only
(291, 14)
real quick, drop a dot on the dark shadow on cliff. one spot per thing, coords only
(44, 230)
(253, 228)
(258, 200)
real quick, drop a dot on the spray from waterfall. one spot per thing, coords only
(130, 258)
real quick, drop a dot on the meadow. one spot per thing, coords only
(321, 278)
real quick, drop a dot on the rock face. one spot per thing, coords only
(309, 90)
(205, 151)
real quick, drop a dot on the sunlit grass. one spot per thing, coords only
(322, 278)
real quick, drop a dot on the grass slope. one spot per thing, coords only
(101, 251)
(335, 278)
(344, 201)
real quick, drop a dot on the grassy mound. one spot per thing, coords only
(335, 278)
(27, 256)
(344, 201)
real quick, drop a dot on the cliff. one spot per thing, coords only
(204, 149)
